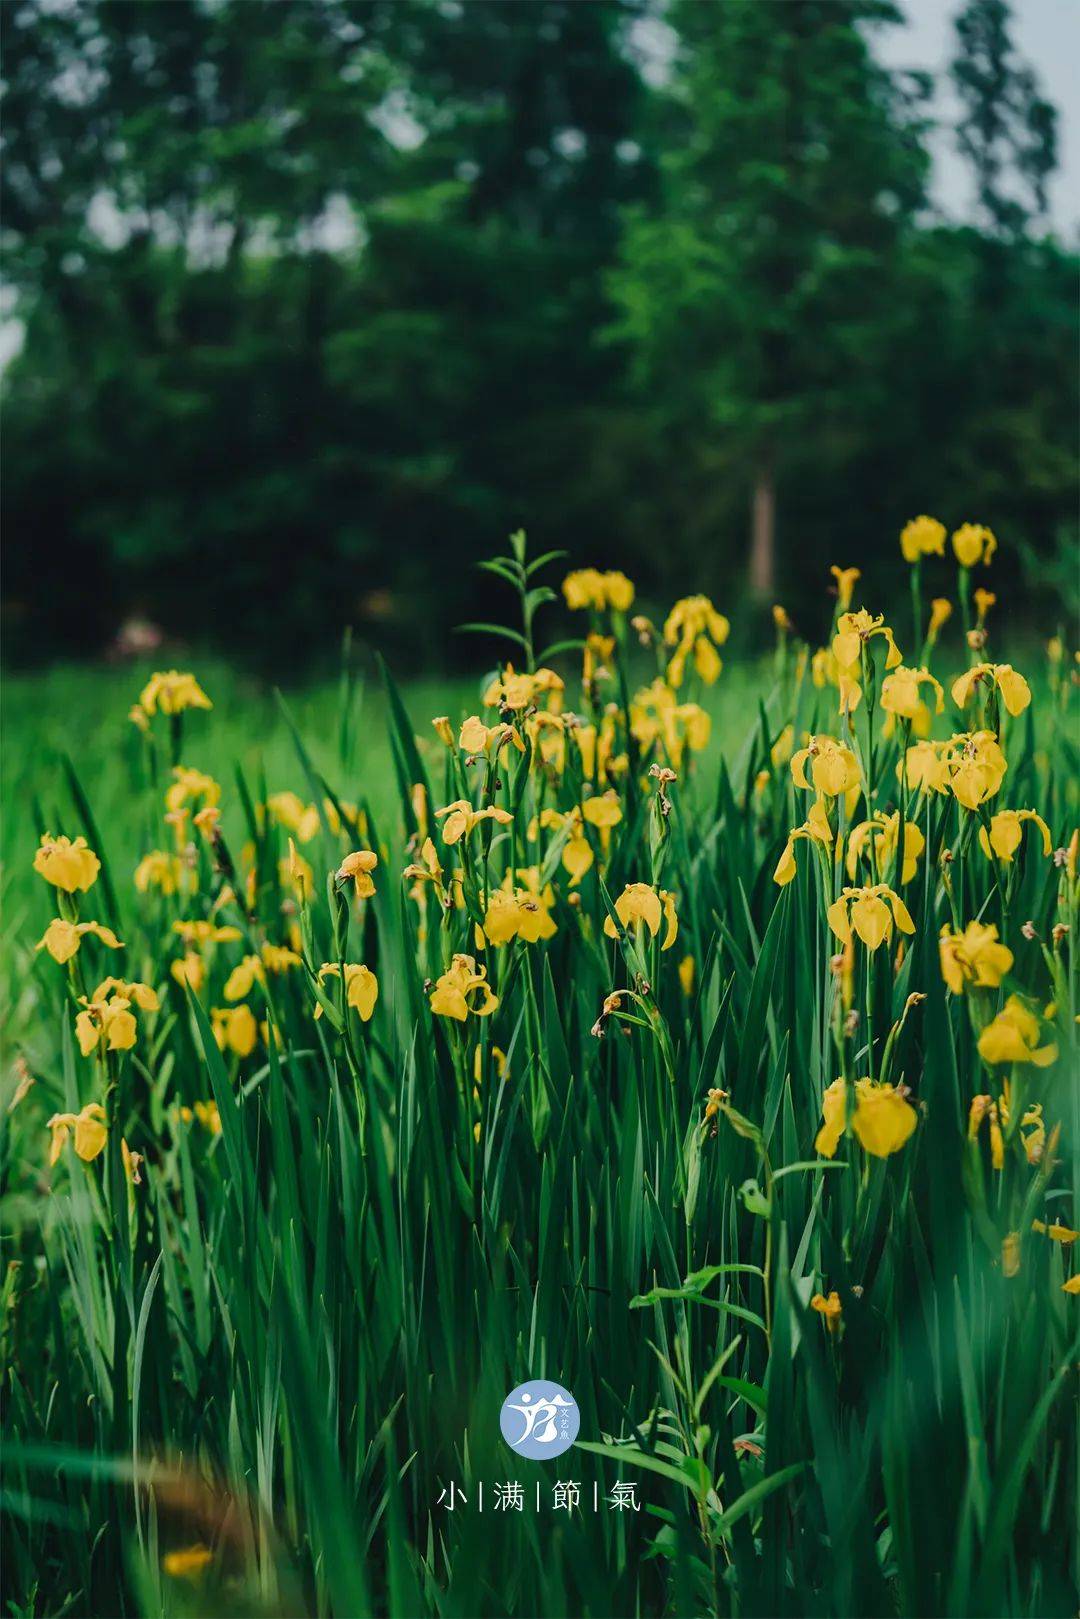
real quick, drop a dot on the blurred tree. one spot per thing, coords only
(314, 295)
(308, 290)
(1008, 131)
(173, 176)
(755, 296)
(471, 366)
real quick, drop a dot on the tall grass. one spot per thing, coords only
(246, 1383)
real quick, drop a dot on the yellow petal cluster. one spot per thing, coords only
(972, 543)
(72, 866)
(358, 866)
(639, 906)
(900, 693)
(170, 691)
(589, 588)
(235, 1029)
(476, 737)
(871, 912)
(1014, 689)
(88, 1127)
(518, 691)
(461, 989)
(62, 939)
(460, 818)
(657, 716)
(695, 630)
(1014, 1035)
(361, 987)
(921, 537)
(834, 768)
(816, 829)
(883, 1120)
(975, 957)
(1006, 830)
(878, 839)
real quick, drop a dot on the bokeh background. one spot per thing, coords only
(308, 304)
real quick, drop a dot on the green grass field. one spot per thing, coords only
(80, 712)
(598, 1079)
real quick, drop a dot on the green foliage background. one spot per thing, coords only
(564, 296)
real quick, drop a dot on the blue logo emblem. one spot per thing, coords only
(539, 1419)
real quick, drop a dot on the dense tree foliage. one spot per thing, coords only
(320, 295)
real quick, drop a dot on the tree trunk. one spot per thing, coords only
(763, 534)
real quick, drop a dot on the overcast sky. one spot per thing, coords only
(1047, 36)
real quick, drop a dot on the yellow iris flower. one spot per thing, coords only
(940, 614)
(289, 810)
(971, 765)
(140, 994)
(461, 989)
(517, 691)
(188, 1562)
(846, 580)
(191, 784)
(984, 600)
(695, 628)
(883, 1122)
(189, 970)
(518, 913)
(1014, 689)
(880, 834)
(203, 933)
(1057, 1233)
(108, 1023)
(900, 694)
(1007, 829)
(235, 1029)
(816, 828)
(62, 939)
(252, 970)
(854, 631)
(922, 536)
(1013, 1036)
(975, 956)
(171, 692)
(639, 906)
(972, 543)
(603, 810)
(871, 911)
(829, 1308)
(656, 715)
(361, 987)
(834, 768)
(588, 587)
(476, 737)
(358, 865)
(165, 872)
(461, 818)
(207, 1115)
(72, 866)
(89, 1128)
